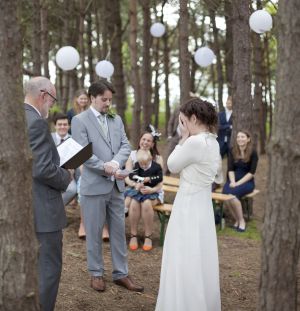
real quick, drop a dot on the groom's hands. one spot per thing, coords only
(111, 167)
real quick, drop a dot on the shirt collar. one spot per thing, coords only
(59, 138)
(97, 113)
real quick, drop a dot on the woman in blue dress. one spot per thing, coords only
(242, 163)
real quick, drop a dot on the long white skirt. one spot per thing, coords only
(189, 278)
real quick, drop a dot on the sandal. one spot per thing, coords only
(133, 246)
(147, 248)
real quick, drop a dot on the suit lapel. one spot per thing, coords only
(96, 124)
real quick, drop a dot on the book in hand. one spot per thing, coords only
(72, 154)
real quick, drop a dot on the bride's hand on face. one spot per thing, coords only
(183, 126)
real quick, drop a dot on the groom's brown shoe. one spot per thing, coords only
(129, 284)
(97, 283)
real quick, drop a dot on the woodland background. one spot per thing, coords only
(248, 66)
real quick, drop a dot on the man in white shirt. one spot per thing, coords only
(61, 134)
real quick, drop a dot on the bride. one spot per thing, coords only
(190, 269)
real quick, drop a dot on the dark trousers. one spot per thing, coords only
(224, 149)
(49, 267)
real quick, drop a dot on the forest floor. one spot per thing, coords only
(239, 256)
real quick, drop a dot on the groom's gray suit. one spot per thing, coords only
(49, 180)
(102, 197)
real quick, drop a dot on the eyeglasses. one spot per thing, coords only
(54, 98)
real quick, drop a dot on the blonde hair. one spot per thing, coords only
(143, 155)
(76, 106)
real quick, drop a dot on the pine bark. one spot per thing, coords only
(242, 101)
(146, 66)
(228, 45)
(166, 56)
(115, 32)
(18, 246)
(184, 55)
(44, 37)
(281, 235)
(135, 73)
(219, 60)
(36, 38)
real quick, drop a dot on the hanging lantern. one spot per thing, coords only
(67, 58)
(204, 56)
(260, 21)
(157, 30)
(104, 69)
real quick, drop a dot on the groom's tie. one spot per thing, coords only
(103, 124)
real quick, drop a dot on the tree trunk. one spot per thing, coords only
(280, 247)
(89, 45)
(219, 60)
(146, 67)
(242, 102)
(269, 83)
(156, 83)
(167, 72)
(115, 32)
(228, 45)
(184, 55)
(258, 80)
(36, 38)
(18, 246)
(82, 5)
(135, 74)
(44, 38)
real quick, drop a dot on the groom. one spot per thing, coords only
(102, 185)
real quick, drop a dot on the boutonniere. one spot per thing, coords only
(111, 114)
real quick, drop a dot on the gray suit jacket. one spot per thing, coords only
(86, 129)
(49, 180)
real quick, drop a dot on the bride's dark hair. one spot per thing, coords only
(204, 111)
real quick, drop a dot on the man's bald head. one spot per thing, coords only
(40, 93)
(34, 86)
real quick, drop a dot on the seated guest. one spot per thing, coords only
(146, 177)
(242, 163)
(61, 125)
(148, 141)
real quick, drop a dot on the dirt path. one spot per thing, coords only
(239, 268)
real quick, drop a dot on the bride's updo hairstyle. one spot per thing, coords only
(203, 111)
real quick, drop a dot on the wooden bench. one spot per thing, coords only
(247, 203)
(170, 185)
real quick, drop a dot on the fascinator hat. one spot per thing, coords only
(151, 129)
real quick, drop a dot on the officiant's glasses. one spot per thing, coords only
(54, 98)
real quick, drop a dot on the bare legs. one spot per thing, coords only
(236, 210)
(105, 233)
(145, 212)
(81, 231)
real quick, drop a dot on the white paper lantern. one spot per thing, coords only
(260, 21)
(67, 58)
(204, 56)
(157, 30)
(104, 69)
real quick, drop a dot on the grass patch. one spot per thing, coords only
(251, 232)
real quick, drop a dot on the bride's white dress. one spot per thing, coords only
(189, 278)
